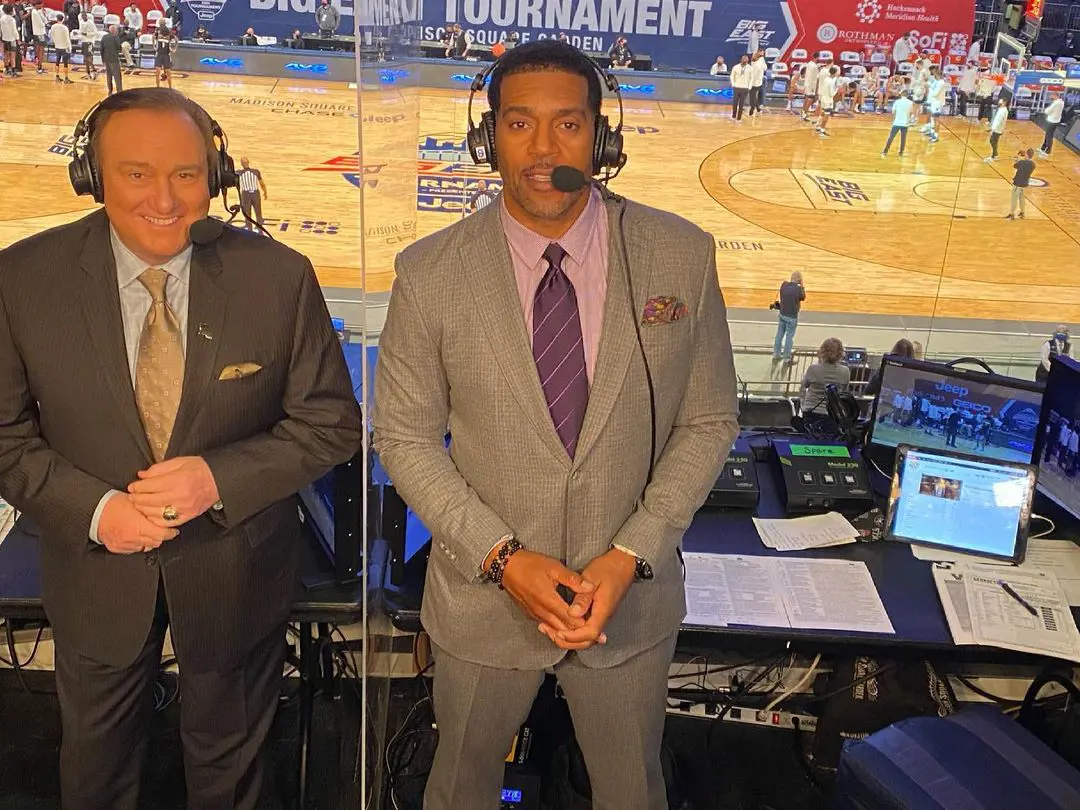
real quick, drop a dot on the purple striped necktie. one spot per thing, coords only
(559, 350)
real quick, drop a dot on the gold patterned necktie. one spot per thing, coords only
(159, 367)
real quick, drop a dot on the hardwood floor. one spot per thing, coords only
(919, 235)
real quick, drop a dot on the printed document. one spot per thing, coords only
(725, 590)
(812, 531)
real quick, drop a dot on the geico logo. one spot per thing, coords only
(383, 119)
(951, 389)
(972, 406)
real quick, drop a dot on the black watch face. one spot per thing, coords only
(644, 570)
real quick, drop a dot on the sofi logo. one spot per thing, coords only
(300, 67)
(646, 89)
(714, 92)
(949, 388)
(213, 60)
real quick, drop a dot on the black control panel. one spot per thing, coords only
(737, 487)
(822, 476)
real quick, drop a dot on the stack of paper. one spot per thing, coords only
(7, 519)
(812, 531)
(1061, 557)
(724, 590)
(1008, 608)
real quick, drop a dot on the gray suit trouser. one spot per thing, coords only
(618, 716)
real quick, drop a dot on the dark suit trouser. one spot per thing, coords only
(107, 712)
(113, 75)
(757, 97)
(738, 102)
(251, 200)
(618, 718)
(1048, 141)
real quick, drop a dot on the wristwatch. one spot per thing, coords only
(642, 570)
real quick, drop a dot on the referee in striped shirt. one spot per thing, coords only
(251, 182)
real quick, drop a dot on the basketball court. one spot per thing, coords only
(922, 235)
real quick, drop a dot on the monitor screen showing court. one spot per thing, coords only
(932, 405)
(977, 506)
(1059, 436)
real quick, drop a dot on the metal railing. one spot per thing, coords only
(1061, 16)
(760, 378)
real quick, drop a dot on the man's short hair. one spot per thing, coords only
(545, 55)
(161, 99)
(1030, 153)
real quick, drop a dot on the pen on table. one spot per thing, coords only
(1005, 586)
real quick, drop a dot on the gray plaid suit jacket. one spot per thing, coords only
(455, 353)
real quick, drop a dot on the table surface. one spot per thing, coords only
(905, 583)
(20, 589)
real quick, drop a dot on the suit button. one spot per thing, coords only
(575, 475)
(151, 560)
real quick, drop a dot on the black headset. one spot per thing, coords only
(607, 142)
(84, 172)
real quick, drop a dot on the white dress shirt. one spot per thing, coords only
(134, 18)
(37, 22)
(60, 36)
(88, 30)
(758, 66)
(9, 30)
(1054, 111)
(717, 70)
(1001, 115)
(901, 50)
(741, 76)
(968, 80)
(135, 302)
(1046, 351)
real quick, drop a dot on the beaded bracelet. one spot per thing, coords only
(498, 565)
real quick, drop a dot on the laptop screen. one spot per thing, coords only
(969, 504)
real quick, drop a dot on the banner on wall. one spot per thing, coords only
(675, 33)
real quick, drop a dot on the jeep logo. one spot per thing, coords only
(949, 388)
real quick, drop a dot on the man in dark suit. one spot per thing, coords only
(160, 404)
(110, 57)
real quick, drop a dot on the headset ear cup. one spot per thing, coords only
(613, 148)
(225, 176)
(607, 146)
(487, 124)
(97, 188)
(81, 183)
(599, 143)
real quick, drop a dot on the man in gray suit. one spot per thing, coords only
(516, 328)
(161, 404)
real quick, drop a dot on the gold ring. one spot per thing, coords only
(169, 513)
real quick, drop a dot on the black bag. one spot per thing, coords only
(865, 694)
(1058, 727)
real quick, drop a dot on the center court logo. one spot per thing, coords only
(868, 11)
(349, 167)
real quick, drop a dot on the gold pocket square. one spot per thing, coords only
(239, 370)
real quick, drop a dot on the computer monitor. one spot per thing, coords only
(937, 406)
(965, 503)
(332, 508)
(854, 357)
(1059, 435)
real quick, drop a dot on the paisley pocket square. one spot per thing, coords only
(239, 370)
(664, 309)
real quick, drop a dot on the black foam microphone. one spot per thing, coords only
(206, 231)
(568, 179)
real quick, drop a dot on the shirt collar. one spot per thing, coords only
(576, 241)
(129, 266)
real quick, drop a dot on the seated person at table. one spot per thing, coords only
(827, 371)
(620, 54)
(458, 44)
(249, 38)
(902, 348)
(202, 34)
(295, 40)
(719, 67)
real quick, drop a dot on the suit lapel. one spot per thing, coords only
(105, 325)
(205, 327)
(618, 338)
(489, 269)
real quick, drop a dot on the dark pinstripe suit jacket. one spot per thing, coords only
(70, 431)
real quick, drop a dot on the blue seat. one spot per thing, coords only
(977, 759)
